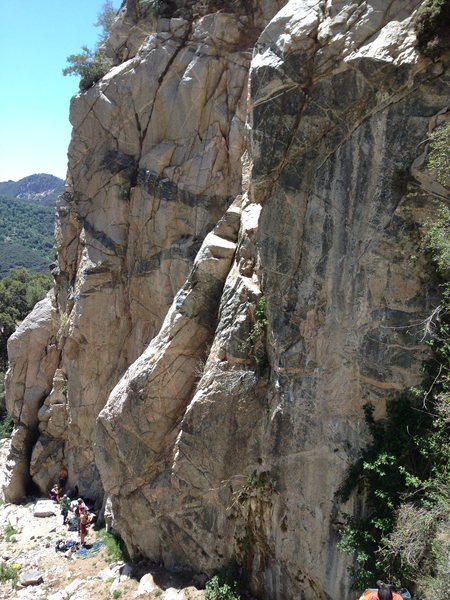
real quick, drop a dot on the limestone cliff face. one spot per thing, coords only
(234, 280)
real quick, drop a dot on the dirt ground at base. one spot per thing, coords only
(28, 543)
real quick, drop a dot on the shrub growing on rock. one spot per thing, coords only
(225, 585)
(8, 573)
(92, 65)
(432, 27)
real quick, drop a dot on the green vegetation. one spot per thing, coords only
(9, 533)
(217, 590)
(92, 65)
(432, 27)
(437, 243)
(19, 292)
(148, 8)
(105, 19)
(8, 573)
(65, 387)
(6, 422)
(394, 464)
(405, 537)
(256, 484)
(418, 547)
(405, 472)
(26, 235)
(439, 157)
(225, 584)
(254, 344)
(114, 546)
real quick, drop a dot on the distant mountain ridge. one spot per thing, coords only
(39, 188)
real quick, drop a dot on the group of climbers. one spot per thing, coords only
(81, 516)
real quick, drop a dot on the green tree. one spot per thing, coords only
(105, 19)
(92, 65)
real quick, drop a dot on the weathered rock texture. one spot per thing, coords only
(229, 296)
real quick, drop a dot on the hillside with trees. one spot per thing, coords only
(27, 222)
(26, 235)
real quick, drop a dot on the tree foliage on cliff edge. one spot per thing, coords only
(405, 538)
(92, 65)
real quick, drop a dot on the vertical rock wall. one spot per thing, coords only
(154, 162)
(227, 300)
(344, 105)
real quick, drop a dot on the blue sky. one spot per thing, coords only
(35, 39)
